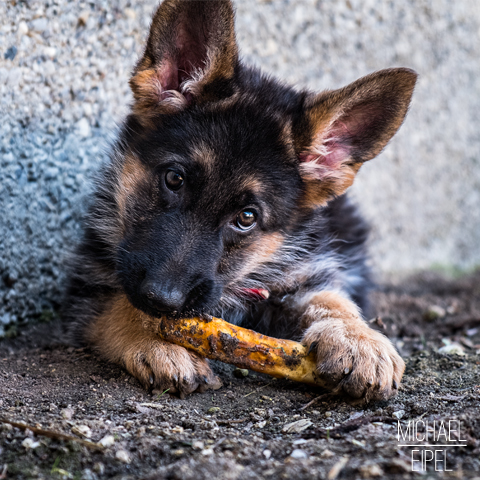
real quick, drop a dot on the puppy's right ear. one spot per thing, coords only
(190, 56)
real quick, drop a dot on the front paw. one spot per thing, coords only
(355, 359)
(162, 365)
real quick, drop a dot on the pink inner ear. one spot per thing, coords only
(167, 75)
(326, 157)
(190, 55)
(333, 147)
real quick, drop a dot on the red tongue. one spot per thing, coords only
(256, 293)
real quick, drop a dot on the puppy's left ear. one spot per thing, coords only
(339, 130)
(190, 56)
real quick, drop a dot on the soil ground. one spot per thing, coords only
(241, 431)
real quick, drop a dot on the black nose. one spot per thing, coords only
(162, 297)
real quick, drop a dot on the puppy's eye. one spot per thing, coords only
(173, 180)
(246, 220)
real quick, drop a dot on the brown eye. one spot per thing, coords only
(173, 180)
(246, 220)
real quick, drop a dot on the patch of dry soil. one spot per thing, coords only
(242, 430)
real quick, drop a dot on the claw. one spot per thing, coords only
(312, 347)
(151, 379)
(395, 385)
(205, 379)
(346, 371)
(369, 383)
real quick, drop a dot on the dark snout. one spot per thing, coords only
(163, 296)
(171, 278)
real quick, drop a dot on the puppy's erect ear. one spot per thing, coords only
(341, 129)
(191, 55)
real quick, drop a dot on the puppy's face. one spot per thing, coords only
(204, 198)
(216, 162)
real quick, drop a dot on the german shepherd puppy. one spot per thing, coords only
(224, 195)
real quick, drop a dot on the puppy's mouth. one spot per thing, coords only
(174, 314)
(195, 307)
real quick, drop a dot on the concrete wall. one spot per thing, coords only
(64, 68)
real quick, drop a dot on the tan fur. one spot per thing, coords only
(119, 336)
(170, 24)
(225, 103)
(262, 250)
(147, 89)
(356, 359)
(203, 155)
(394, 86)
(132, 175)
(318, 193)
(388, 91)
(221, 64)
(253, 185)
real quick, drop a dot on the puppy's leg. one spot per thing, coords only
(118, 335)
(356, 359)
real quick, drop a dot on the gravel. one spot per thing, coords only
(252, 428)
(64, 68)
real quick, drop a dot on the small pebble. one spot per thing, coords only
(107, 441)
(370, 471)
(213, 410)
(83, 18)
(356, 415)
(39, 24)
(433, 312)
(400, 464)
(240, 372)
(130, 13)
(99, 467)
(22, 28)
(327, 454)
(123, 456)
(30, 444)
(299, 454)
(87, 474)
(357, 443)
(83, 128)
(198, 445)
(398, 414)
(297, 427)
(300, 441)
(452, 348)
(50, 52)
(11, 53)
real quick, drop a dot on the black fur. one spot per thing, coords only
(247, 141)
(211, 148)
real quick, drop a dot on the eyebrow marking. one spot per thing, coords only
(203, 155)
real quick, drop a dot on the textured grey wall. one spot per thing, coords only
(64, 68)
